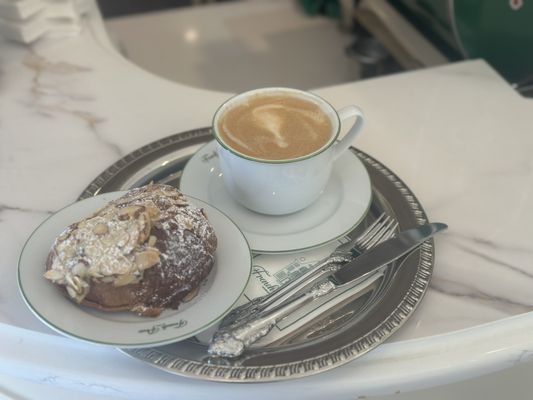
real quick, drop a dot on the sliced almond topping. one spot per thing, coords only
(68, 251)
(70, 281)
(78, 285)
(151, 241)
(182, 202)
(54, 275)
(147, 228)
(191, 295)
(147, 259)
(122, 238)
(152, 211)
(94, 271)
(72, 293)
(100, 229)
(63, 237)
(128, 212)
(80, 270)
(82, 224)
(93, 251)
(124, 280)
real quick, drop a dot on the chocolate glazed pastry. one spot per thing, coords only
(143, 252)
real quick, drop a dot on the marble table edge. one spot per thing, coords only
(447, 358)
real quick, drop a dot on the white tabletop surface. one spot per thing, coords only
(459, 136)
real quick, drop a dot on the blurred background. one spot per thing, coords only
(236, 45)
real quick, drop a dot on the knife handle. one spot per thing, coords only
(231, 341)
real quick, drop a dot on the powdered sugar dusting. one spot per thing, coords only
(150, 230)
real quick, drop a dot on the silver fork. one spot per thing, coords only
(381, 229)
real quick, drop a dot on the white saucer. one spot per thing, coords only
(337, 211)
(216, 297)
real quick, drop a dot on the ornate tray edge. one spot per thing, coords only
(110, 172)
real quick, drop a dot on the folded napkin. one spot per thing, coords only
(28, 20)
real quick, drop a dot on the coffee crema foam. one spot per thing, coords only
(275, 127)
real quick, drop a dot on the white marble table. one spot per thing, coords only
(458, 135)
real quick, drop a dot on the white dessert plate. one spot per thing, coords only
(341, 207)
(217, 295)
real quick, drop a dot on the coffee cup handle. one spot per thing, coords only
(347, 140)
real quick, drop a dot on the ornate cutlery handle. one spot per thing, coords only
(232, 341)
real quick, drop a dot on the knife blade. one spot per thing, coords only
(231, 341)
(386, 252)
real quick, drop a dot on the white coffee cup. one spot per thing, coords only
(278, 187)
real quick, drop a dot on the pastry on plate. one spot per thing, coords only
(144, 252)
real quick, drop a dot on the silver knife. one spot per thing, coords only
(231, 341)
(386, 252)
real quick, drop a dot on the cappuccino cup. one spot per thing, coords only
(277, 146)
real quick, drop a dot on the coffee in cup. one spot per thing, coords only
(275, 126)
(276, 147)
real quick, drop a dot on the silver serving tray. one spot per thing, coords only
(340, 335)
